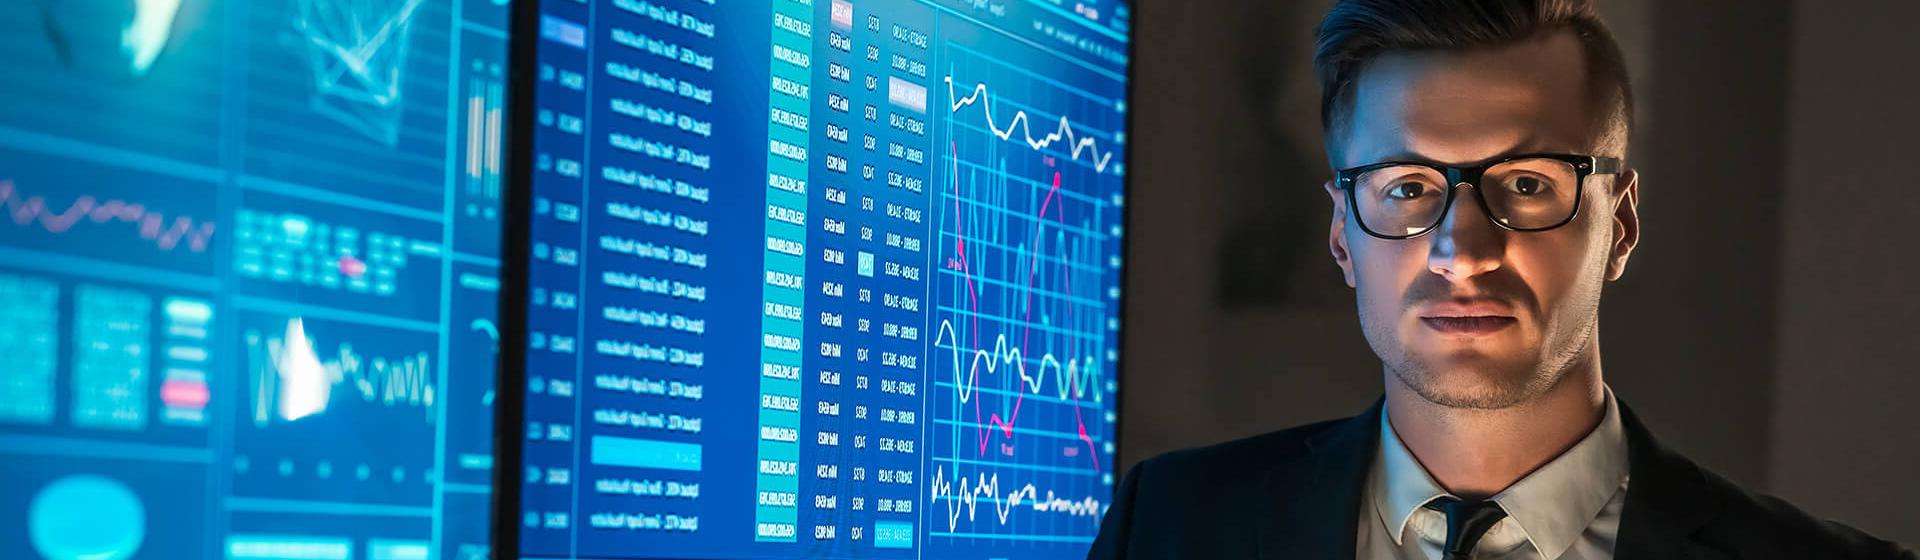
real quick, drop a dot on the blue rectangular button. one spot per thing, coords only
(893, 534)
(645, 453)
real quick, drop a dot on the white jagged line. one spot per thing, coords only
(1069, 377)
(1099, 158)
(970, 494)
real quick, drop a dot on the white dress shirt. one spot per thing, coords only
(1568, 509)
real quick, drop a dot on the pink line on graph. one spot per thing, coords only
(1005, 426)
(152, 225)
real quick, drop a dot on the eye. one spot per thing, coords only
(1407, 190)
(1528, 186)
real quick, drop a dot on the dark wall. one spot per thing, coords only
(1846, 437)
(1238, 322)
(1684, 333)
(1217, 181)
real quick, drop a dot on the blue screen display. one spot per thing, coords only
(248, 273)
(821, 278)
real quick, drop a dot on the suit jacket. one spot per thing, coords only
(1296, 494)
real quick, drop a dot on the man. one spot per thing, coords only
(1480, 201)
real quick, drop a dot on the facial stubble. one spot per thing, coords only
(1493, 382)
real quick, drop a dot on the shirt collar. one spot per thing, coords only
(1398, 484)
(1553, 505)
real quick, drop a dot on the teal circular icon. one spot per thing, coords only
(86, 517)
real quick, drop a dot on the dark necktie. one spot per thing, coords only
(1466, 523)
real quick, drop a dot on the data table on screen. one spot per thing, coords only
(819, 279)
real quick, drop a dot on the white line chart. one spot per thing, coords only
(1022, 349)
(1070, 379)
(964, 496)
(1077, 143)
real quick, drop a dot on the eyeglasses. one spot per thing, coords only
(1528, 192)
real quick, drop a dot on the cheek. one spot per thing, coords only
(1562, 266)
(1383, 270)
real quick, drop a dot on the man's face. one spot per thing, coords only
(1472, 315)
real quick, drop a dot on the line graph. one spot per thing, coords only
(150, 224)
(961, 497)
(1077, 144)
(1070, 379)
(1023, 254)
(1021, 431)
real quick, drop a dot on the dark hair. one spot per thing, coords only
(1357, 31)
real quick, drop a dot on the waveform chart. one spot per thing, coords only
(335, 411)
(1026, 291)
(105, 214)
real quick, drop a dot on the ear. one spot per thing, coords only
(1336, 240)
(1626, 221)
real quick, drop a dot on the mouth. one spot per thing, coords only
(1472, 325)
(1469, 316)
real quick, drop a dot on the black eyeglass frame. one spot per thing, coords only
(1583, 166)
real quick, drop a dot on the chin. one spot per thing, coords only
(1469, 379)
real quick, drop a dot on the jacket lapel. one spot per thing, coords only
(1312, 495)
(1668, 500)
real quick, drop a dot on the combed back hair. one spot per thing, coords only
(1355, 32)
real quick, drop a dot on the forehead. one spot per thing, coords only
(1467, 106)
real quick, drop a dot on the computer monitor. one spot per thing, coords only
(821, 279)
(248, 268)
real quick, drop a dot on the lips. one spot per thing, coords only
(1468, 317)
(1471, 326)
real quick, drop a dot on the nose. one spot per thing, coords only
(1466, 243)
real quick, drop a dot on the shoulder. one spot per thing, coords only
(1668, 492)
(1202, 502)
(1769, 526)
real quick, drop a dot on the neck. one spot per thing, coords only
(1476, 453)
